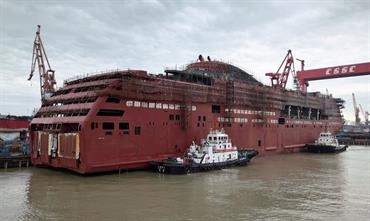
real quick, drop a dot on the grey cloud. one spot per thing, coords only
(88, 36)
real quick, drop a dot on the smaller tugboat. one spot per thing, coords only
(326, 143)
(216, 152)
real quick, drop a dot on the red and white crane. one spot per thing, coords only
(301, 78)
(279, 80)
(47, 79)
(349, 70)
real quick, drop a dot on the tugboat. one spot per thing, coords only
(216, 152)
(326, 143)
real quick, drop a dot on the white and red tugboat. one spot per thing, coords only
(216, 152)
(326, 143)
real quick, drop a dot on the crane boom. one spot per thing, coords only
(279, 80)
(47, 78)
(357, 118)
(365, 114)
(362, 111)
(349, 70)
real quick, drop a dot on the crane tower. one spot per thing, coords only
(47, 79)
(279, 80)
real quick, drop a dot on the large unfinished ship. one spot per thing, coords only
(125, 119)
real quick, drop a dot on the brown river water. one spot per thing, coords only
(298, 186)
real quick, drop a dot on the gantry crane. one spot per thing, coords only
(47, 79)
(350, 70)
(357, 110)
(279, 80)
(365, 114)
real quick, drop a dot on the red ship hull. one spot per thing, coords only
(125, 120)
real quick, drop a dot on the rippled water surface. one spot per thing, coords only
(282, 187)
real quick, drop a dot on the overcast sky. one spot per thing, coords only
(88, 36)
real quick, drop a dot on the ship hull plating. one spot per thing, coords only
(160, 138)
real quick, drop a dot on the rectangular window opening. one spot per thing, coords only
(69, 127)
(124, 126)
(281, 120)
(216, 109)
(113, 100)
(108, 126)
(110, 112)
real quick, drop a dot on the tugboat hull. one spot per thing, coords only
(318, 148)
(171, 166)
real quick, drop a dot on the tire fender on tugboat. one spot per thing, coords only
(161, 169)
